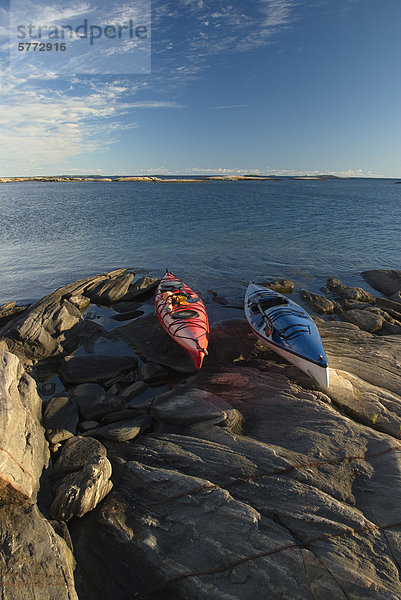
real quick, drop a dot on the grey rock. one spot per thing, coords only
(123, 431)
(115, 389)
(24, 452)
(256, 504)
(387, 281)
(142, 287)
(396, 297)
(365, 375)
(94, 369)
(94, 402)
(319, 304)
(153, 373)
(347, 304)
(112, 288)
(34, 561)
(365, 320)
(128, 378)
(88, 425)
(133, 390)
(48, 389)
(78, 452)
(60, 419)
(44, 329)
(151, 342)
(82, 478)
(390, 328)
(391, 306)
(41, 330)
(80, 492)
(190, 406)
(351, 293)
(8, 311)
(282, 286)
(119, 415)
(81, 302)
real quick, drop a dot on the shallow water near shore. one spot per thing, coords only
(214, 235)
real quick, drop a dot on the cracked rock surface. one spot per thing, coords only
(297, 499)
(244, 480)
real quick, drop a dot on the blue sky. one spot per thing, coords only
(269, 86)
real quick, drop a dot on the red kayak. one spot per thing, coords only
(183, 315)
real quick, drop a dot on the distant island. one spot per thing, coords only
(140, 178)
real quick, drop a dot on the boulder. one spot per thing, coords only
(282, 286)
(365, 375)
(364, 319)
(78, 452)
(82, 478)
(134, 390)
(44, 329)
(24, 453)
(8, 311)
(319, 304)
(391, 306)
(40, 331)
(94, 403)
(81, 302)
(126, 414)
(60, 419)
(350, 293)
(35, 562)
(80, 492)
(396, 297)
(190, 406)
(153, 373)
(94, 368)
(142, 287)
(111, 289)
(123, 431)
(387, 281)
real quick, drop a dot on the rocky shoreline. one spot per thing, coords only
(125, 474)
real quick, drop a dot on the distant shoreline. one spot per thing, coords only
(179, 179)
(171, 179)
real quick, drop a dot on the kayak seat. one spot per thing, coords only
(184, 314)
(269, 303)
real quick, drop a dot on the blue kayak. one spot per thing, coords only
(285, 327)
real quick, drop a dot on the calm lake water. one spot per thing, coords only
(214, 235)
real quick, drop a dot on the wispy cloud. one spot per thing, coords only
(214, 27)
(47, 126)
(232, 106)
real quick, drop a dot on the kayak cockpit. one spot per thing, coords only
(267, 303)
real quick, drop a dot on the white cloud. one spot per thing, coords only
(315, 173)
(46, 126)
(232, 106)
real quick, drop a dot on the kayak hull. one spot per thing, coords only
(186, 323)
(287, 329)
